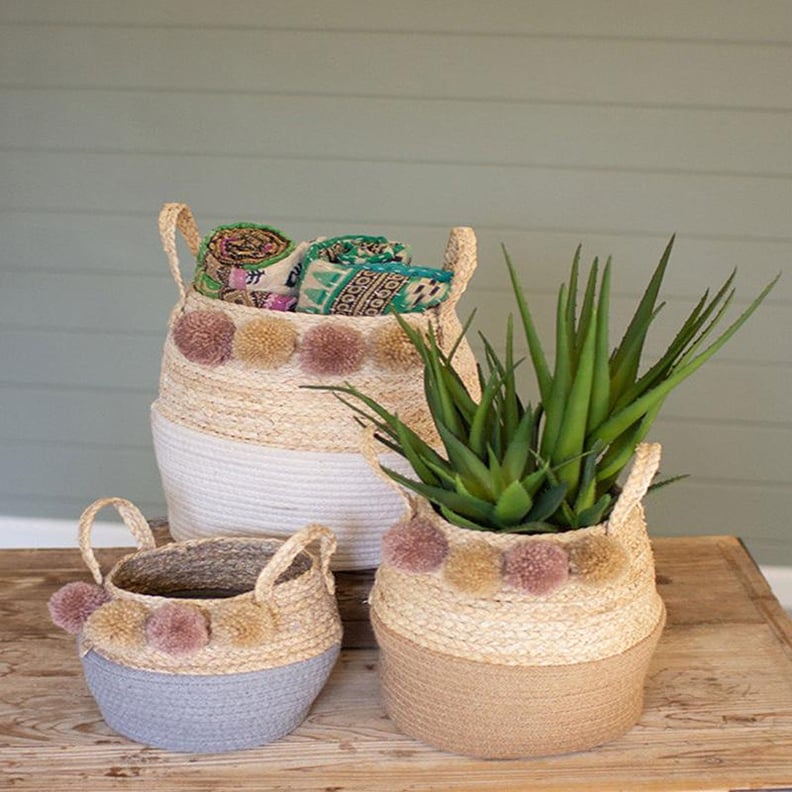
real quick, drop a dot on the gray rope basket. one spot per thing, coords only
(208, 645)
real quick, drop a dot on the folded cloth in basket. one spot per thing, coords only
(249, 264)
(359, 275)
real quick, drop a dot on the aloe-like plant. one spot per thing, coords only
(510, 466)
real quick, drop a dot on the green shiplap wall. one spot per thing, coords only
(543, 124)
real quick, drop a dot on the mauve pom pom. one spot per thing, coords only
(204, 337)
(332, 350)
(536, 567)
(73, 603)
(414, 546)
(177, 629)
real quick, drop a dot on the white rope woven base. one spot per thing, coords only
(216, 486)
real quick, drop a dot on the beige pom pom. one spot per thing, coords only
(266, 343)
(596, 558)
(119, 623)
(474, 569)
(392, 349)
(244, 625)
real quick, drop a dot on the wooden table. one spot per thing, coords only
(718, 704)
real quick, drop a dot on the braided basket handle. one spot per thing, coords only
(460, 258)
(288, 551)
(133, 519)
(171, 217)
(644, 468)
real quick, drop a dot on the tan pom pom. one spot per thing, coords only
(474, 569)
(596, 558)
(265, 343)
(244, 625)
(392, 349)
(119, 623)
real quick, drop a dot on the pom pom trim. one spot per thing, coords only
(225, 342)
(536, 567)
(178, 628)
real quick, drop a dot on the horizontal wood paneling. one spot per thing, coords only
(132, 305)
(438, 193)
(79, 473)
(74, 416)
(101, 414)
(542, 124)
(730, 20)
(125, 245)
(402, 130)
(771, 319)
(80, 359)
(697, 508)
(726, 453)
(57, 507)
(620, 71)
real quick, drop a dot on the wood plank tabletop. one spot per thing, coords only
(718, 710)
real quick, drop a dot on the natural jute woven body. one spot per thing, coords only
(273, 636)
(261, 409)
(518, 674)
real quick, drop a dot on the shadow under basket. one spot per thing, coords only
(213, 644)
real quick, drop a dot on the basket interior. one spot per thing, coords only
(204, 570)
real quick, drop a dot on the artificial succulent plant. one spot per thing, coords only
(507, 465)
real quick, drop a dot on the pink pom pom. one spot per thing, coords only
(414, 546)
(177, 629)
(332, 349)
(204, 337)
(73, 603)
(536, 567)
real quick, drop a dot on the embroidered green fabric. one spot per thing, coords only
(358, 275)
(244, 261)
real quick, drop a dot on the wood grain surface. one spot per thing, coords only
(718, 710)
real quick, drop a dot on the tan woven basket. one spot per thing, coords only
(241, 445)
(473, 663)
(207, 645)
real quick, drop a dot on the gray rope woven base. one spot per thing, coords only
(206, 714)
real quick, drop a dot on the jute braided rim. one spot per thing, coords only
(140, 529)
(276, 592)
(576, 621)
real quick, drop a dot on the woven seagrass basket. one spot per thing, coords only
(242, 447)
(497, 646)
(207, 645)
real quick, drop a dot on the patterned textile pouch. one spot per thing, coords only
(250, 264)
(367, 276)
